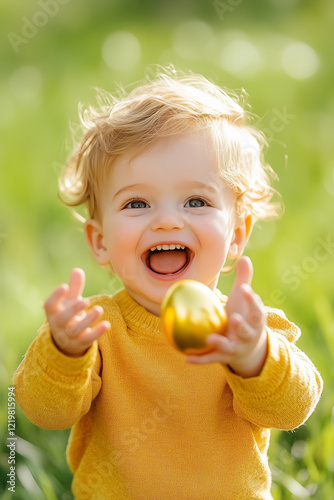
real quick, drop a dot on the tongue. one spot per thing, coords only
(168, 261)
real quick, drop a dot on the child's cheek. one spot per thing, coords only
(215, 231)
(123, 238)
(215, 236)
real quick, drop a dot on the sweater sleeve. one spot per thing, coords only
(287, 390)
(55, 390)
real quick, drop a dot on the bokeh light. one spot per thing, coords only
(25, 83)
(193, 40)
(240, 58)
(300, 61)
(121, 51)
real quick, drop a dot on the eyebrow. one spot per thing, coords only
(131, 187)
(200, 184)
(190, 185)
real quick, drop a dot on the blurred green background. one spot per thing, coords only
(54, 53)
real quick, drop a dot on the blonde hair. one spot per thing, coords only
(168, 105)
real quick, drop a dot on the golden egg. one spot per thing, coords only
(191, 311)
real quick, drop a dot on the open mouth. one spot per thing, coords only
(168, 259)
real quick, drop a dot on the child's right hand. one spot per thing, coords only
(70, 324)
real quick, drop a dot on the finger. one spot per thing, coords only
(243, 271)
(250, 295)
(257, 316)
(214, 357)
(79, 326)
(234, 320)
(52, 302)
(222, 350)
(77, 283)
(239, 329)
(91, 334)
(257, 313)
(65, 316)
(243, 331)
(224, 344)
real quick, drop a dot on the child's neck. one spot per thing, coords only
(151, 307)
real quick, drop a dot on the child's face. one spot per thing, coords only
(170, 194)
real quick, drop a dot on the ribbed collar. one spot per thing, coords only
(138, 318)
(135, 315)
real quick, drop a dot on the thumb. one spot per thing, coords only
(243, 271)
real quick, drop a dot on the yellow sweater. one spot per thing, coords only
(148, 426)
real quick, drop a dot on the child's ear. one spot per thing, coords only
(241, 234)
(94, 238)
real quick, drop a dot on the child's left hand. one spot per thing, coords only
(244, 346)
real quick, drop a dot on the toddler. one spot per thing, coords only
(174, 180)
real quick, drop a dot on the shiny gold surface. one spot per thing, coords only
(190, 311)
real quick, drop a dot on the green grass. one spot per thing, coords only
(40, 241)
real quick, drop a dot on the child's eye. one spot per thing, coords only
(137, 204)
(195, 203)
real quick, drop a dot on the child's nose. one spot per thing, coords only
(167, 218)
